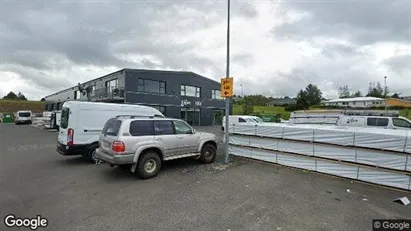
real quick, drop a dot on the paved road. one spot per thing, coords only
(244, 195)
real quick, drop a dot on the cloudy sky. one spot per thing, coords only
(277, 47)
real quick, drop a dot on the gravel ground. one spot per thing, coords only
(186, 195)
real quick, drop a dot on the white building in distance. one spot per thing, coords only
(357, 102)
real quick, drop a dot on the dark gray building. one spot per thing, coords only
(177, 94)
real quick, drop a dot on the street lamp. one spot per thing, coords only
(227, 99)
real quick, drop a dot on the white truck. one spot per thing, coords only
(352, 118)
(82, 122)
(241, 119)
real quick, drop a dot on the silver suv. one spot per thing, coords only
(143, 143)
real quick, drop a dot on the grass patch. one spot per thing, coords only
(404, 113)
(264, 110)
(12, 106)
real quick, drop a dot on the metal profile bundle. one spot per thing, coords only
(378, 156)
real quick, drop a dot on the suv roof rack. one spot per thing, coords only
(139, 116)
(372, 113)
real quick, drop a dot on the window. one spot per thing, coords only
(401, 123)
(163, 127)
(112, 127)
(142, 128)
(190, 91)
(110, 85)
(241, 120)
(92, 90)
(353, 103)
(216, 94)
(76, 94)
(380, 122)
(24, 114)
(64, 120)
(181, 127)
(151, 86)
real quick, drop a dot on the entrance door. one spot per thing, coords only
(191, 116)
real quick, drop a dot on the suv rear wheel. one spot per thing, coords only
(149, 165)
(208, 153)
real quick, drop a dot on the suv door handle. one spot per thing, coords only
(179, 137)
(159, 139)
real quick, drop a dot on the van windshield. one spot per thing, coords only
(64, 120)
(24, 114)
(112, 127)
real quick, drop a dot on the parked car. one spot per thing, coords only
(143, 144)
(23, 117)
(55, 119)
(241, 119)
(82, 122)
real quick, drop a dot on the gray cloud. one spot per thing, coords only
(400, 64)
(52, 36)
(361, 22)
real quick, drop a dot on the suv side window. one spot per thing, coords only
(181, 127)
(401, 123)
(379, 122)
(163, 127)
(241, 120)
(142, 128)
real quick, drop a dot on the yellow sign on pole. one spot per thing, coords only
(227, 87)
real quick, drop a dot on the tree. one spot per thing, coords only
(11, 95)
(302, 102)
(313, 95)
(357, 94)
(20, 96)
(248, 108)
(43, 99)
(375, 90)
(395, 95)
(344, 92)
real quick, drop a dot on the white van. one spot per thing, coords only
(23, 117)
(243, 119)
(82, 122)
(385, 122)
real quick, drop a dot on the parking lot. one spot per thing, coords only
(186, 195)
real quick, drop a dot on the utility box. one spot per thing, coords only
(8, 118)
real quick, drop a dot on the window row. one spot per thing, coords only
(148, 127)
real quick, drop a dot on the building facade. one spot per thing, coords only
(357, 102)
(186, 95)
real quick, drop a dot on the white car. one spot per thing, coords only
(23, 117)
(241, 119)
(82, 122)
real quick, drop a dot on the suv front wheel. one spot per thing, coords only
(149, 165)
(208, 153)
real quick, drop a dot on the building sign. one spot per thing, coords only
(185, 102)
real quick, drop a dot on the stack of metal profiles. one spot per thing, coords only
(374, 155)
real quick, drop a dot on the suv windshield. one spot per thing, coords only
(65, 113)
(24, 114)
(401, 123)
(112, 127)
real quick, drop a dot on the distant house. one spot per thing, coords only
(357, 102)
(406, 98)
(281, 102)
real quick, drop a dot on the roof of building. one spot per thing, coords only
(136, 70)
(356, 99)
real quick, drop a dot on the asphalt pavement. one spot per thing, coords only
(186, 195)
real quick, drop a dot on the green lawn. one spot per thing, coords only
(16, 105)
(264, 110)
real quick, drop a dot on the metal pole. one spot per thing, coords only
(227, 99)
(242, 93)
(385, 92)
